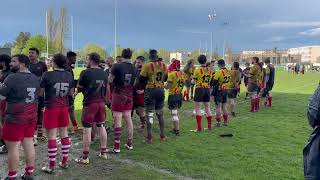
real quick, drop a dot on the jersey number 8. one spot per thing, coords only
(159, 76)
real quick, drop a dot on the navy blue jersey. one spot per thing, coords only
(125, 75)
(57, 85)
(21, 91)
(93, 82)
(38, 68)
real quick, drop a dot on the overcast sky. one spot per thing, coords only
(172, 24)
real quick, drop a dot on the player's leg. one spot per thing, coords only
(173, 102)
(232, 95)
(13, 158)
(29, 152)
(103, 140)
(65, 140)
(252, 90)
(269, 98)
(198, 99)
(192, 91)
(206, 102)
(159, 104)
(128, 119)
(117, 116)
(72, 115)
(225, 113)
(87, 118)
(150, 103)
(52, 150)
(40, 120)
(3, 148)
(142, 115)
(50, 123)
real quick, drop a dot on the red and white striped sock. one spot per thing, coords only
(52, 152)
(65, 147)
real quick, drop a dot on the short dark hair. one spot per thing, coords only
(236, 65)
(118, 57)
(160, 59)
(221, 63)
(35, 49)
(60, 60)
(6, 59)
(94, 57)
(71, 54)
(141, 58)
(256, 59)
(153, 54)
(23, 59)
(202, 59)
(267, 60)
(126, 53)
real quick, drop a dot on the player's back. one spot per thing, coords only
(255, 71)
(22, 96)
(57, 85)
(203, 76)
(156, 72)
(125, 76)
(93, 82)
(270, 71)
(223, 76)
(177, 80)
(235, 76)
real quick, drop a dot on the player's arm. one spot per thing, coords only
(143, 79)
(169, 81)
(5, 87)
(267, 77)
(215, 84)
(195, 77)
(43, 83)
(165, 74)
(81, 83)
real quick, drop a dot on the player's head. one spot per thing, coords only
(93, 60)
(139, 62)
(261, 64)
(267, 61)
(202, 59)
(126, 53)
(5, 62)
(255, 60)
(118, 59)
(59, 61)
(176, 65)
(172, 60)
(72, 58)
(236, 65)
(221, 63)
(247, 65)
(19, 62)
(160, 59)
(109, 61)
(33, 54)
(153, 55)
(191, 62)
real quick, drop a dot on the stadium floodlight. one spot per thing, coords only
(211, 17)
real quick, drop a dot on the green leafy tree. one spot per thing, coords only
(119, 50)
(8, 45)
(90, 48)
(37, 41)
(20, 42)
(164, 54)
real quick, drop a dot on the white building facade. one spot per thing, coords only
(309, 54)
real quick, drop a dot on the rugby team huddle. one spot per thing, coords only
(32, 97)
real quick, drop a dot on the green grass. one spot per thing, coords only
(266, 145)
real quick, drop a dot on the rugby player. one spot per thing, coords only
(56, 87)
(5, 71)
(38, 68)
(175, 83)
(188, 70)
(93, 85)
(253, 83)
(171, 66)
(261, 83)
(269, 82)
(246, 75)
(118, 59)
(222, 85)
(138, 95)
(234, 87)
(202, 78)
(72, 57)
(152, 77)
(122, 77)
(21, 90)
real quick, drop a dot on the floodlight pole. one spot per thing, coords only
(71, 33)
(115, 28)
(211, 19)
(47, 32)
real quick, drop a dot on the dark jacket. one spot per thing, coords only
(311, 152)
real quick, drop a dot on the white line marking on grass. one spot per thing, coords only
(150, 167)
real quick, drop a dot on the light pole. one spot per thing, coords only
(71, 17)
(47, 32)
(115, 29)
(211, 17)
